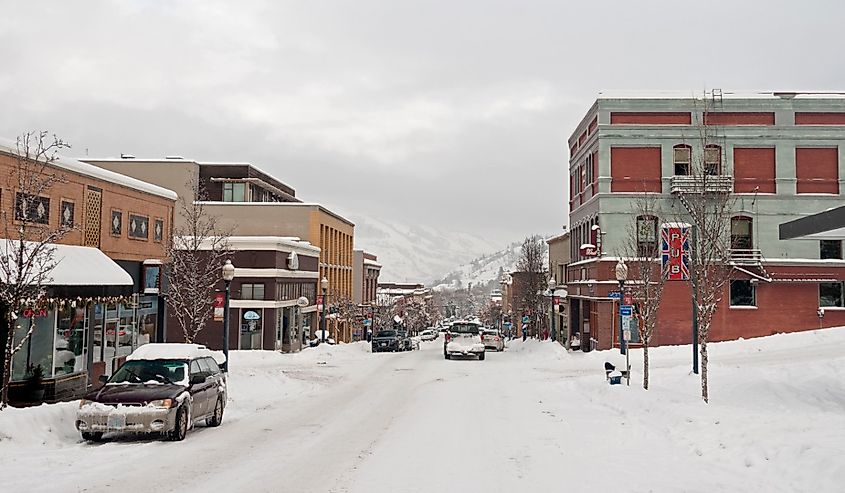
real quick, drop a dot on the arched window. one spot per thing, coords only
(646, 236)
(741, 233)
(682, 157)
(713, 160)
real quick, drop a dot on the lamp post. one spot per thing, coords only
(552, 286)
(621, 277)
(228, 275)
(324, 284)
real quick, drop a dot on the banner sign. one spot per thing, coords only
(675, 250)
(219, 302)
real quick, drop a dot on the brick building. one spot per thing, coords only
(105, 288)
(779, 156)
(365, 272)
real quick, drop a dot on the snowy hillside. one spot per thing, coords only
(416, 253)
(483, 269)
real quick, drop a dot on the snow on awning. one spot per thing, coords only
(79, 266)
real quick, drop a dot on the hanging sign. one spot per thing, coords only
(675, 250)
(219, 301)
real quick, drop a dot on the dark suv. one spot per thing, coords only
(161, 388)
(388, 340)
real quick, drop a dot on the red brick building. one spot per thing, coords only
(779, 156)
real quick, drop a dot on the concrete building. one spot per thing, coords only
(250, 202)
(104, 292)
(365, 272)
(559, 258)
(779, 156)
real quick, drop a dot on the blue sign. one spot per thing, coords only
(526, 319)
(626, 310)
(367, 322)
(616, 295)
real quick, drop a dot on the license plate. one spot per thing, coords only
(117, 421)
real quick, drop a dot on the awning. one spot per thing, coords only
(80, 271)
(827, 225)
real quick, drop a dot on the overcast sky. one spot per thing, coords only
(449, 113)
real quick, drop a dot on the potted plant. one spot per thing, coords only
(34, 383)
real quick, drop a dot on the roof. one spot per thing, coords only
(279, 204)
(726, 94)
(91, 171)
(277, 243)
(78, 266)
(169, 350)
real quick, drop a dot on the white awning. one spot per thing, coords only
(78, 266)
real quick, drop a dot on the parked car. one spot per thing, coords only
(428, 335)
(464, 339)
(493, 340)
(161, 388)
(406, 343)
(387, 340)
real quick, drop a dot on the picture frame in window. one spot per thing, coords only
(116, 222)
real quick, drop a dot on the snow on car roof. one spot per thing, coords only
(171, 350)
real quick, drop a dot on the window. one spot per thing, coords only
(234, 192)
(67, 211)
(681, 158)
(116, 222)
(646, 236)
(70, 341)
(32, 209)
(209, 366)
(139, 227)
(712, 160)
(830, 249)
(743, 293)
(252, 291)
(830, 294)
(158, 230)
(741, 238)
(589, 169)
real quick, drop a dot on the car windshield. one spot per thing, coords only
(386, 333)
(159, 371)
(464, 328)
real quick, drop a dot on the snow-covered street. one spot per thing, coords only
(534, 418)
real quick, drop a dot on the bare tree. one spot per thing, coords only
(646, 276)
(27, 256)
(196, 253)
(532, 260)
(706, 197)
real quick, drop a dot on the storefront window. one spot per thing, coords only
(251, 323)
(147, 320)
(127, 332)
(38, 350)
(70, 342)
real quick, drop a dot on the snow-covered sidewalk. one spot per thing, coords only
(534, 418)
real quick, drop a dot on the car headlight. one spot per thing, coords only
(161, 403)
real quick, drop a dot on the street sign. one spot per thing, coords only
(367, 322)
(616, 295)
(626, 334)
(526, 319)
(626, 310)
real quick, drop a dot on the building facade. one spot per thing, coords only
(365, 272)
(116, 228)
(559, 258)
(779, 156)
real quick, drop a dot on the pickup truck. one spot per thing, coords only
(463, 339)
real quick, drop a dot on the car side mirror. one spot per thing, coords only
(103, 379)
(197, 379)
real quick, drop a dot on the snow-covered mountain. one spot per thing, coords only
(483, 269)
(416, 253)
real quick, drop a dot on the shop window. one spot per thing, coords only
(32, 208)
(743, 293)
(37, 352)
(830, 249)
(682, 156)
(234, 192)
(646, 236)
(741, 237)
(830, 294)
(252, 291)
(713, 160)
(70, 342)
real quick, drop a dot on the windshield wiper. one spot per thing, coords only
(166, 380)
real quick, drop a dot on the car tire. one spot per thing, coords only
(481, 356)
(92, 436)
(216, 418)
(180, 428)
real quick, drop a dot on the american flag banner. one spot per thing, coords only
(675, 250)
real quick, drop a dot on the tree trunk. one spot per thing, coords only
(7, 359)
(704, 394)
(645, 365)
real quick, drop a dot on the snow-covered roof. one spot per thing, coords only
(372, 263)
(91, 171)
(277, 243)
(729, 94)
(78, 266)
(170, 350)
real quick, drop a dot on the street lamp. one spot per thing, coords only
(228, 275)
(324, 284)
(552, 286)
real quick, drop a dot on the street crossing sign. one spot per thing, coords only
(626, 310)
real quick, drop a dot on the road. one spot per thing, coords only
(532, 418)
